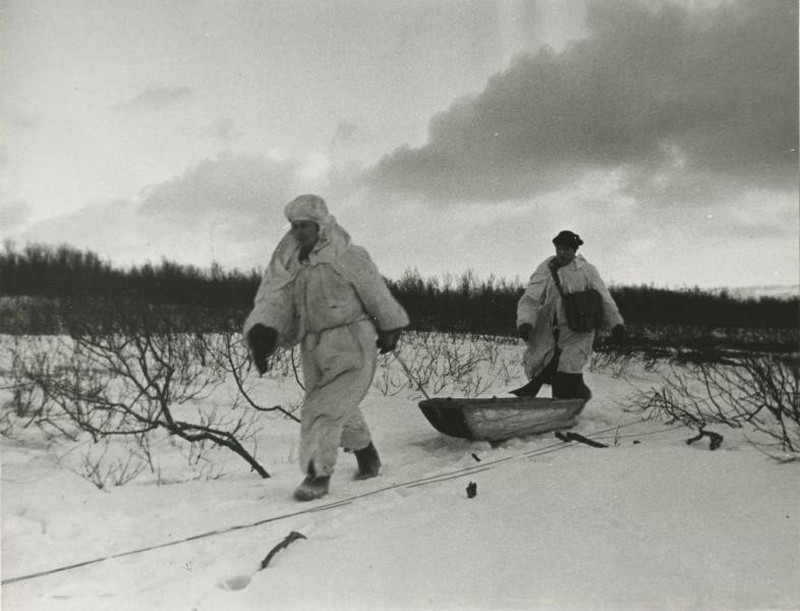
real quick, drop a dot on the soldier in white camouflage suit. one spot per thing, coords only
(323, 292)
(555, 353)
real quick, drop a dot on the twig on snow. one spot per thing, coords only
(569, 436)
(715, 439)
(292, 536)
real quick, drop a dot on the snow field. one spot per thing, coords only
(647, 522)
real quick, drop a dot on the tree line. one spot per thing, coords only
(41, 276)
(66, 272)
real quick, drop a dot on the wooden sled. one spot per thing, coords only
(498, 419)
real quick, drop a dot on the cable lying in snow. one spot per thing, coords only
(332, 505)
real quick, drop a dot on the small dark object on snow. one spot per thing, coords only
(472, 490)
(635, 441)
(476, 457)
(715, 439)
(292, 536)
(569, 436)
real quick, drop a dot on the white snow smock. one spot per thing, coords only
(542, 307)
(330, 304)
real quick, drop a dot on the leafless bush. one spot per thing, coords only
(461, 363)
(617, 362)
(104, 468)
(758, 393)
(30, 403)
(125, 373)
(229, 355)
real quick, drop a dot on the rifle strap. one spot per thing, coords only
(554, 271)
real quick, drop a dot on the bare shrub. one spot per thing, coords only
(103, 467)
(758, 393)
(617, 361)
(229, 355)
(25, 360)
(126, 372)
(465, 364)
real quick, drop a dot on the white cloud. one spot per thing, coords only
(13, 215)
(228, 209)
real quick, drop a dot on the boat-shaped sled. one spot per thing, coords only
(500, 418)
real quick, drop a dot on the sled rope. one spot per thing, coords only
(433, 479)
(570, 436)
(645, 434)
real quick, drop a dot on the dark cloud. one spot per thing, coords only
(650, 91)
(157, 98)
(239, 192)
(233, 183)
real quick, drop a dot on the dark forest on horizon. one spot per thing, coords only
(38, 279)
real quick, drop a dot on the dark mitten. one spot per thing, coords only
(387, 340)
(262, 341)
(618, 334)
(525, 330)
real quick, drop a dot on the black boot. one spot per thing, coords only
(313, 486)
(531, 389)
(368, 462)
(570, 386)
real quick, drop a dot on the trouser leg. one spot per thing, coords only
(355, 432)
(330, 415)
(324, 419)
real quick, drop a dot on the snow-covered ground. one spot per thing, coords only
(649, 522)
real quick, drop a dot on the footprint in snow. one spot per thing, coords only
(237, 582)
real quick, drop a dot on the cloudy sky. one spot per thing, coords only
(445, 135)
